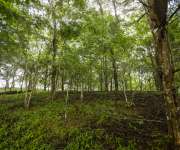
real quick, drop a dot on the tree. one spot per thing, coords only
(157, 13)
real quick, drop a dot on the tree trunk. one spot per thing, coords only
(157, 73)
(130, 81)
(105, 74)
(22, 80)
(13, 83)
(54, 67)
(115, 74)
(82, 92)
(62, 83)
(140, 83)
(28, 94)
(45, 79)
(7, 84)
(124, 90)
(101, 76)
(111, 84)
(157, 13)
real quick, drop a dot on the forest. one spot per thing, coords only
(89, 75)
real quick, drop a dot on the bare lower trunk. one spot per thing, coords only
(53, 84)
(105, 74)
(67, 96)
(27, 99)
(54, 67)
(101, 76)
(82, 92)
(7, 84)
(22, 80)
(13, 83)
(111, 85)
(130, 81)
(45, 79)
(115, 74)
(157, 73)
(168, 86)
(62, 82)
(28, 95)
(124, 90)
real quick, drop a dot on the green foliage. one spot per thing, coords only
(79, 125)
(80, 3)
(131, 145)
(84, 141)
(23, 131)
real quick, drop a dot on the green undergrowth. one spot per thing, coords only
(54, 125)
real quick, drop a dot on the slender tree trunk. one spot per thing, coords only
(140, 84)
(101, 82)
(67, 95)
(111, 85)
(13, 83)
(45, 79)
(115, 10)
(101, 76)
(28, 92)
(82, 92)
(21, 87)
(7, 80)
(62, 83)
(54, 67)
(157, 13)
(105, 74)
(130, 81)
(22, 79)
(124, 90)
(7, 84)
(115, 74)
(100, 6)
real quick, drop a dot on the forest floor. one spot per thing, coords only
(100, 122)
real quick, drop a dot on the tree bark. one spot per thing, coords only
(101, 76)
(54, 67)
(105, 74)
(28, 94)
(115, 74)
(62, 83)
(7, 84)
(157, 13)
(157, 73)
(82, 92)
(45, 79)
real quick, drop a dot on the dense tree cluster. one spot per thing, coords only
(95, 45)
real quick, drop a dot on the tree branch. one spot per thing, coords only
(176, 10)
(176, 70)
(144, 4)
(173, 20)
(139, 19)
(115, 10)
